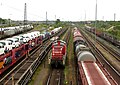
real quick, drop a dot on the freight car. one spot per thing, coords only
(90, 72)
(77, 38)
(110, 38)
(58, 53)
(10, 58)
(32, 40)
(10, 31)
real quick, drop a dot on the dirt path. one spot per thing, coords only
(41, 74)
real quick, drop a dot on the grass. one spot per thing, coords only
(35, 75)
(69, 65)
(41, 73)
(38, 27)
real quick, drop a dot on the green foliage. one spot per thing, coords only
(115, 31)
(6, 23)
(106, 26)
(58, 23)
(117, 27)
(3, 21)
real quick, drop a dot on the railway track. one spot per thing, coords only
(18, 73)
(100, 57)
(4, 76)
(25, 69)
(56, 75)
(114, 53)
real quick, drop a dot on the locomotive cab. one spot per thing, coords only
(58, 53)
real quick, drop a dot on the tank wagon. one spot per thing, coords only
(58, 53)
(89, 70)
(55, 30)
(10, 31)
(28, 42)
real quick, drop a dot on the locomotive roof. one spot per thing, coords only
(60, 41)
(55, 44)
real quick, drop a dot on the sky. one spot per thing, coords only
(65, 10)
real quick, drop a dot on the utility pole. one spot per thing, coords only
(114, 19)
(46, 17)
(25, 14)
(85, 17)
(55, 17)
(114, 16)
(103, 18)
(95, 20)
(10, 21)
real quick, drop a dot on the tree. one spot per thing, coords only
(2, 21)
(57, 21)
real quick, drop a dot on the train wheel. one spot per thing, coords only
(56, 64)
(63, 62)
(63, 66)
(49, 61)
(3, 66)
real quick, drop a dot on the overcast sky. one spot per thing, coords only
(72, 10)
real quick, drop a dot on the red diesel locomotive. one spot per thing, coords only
(58, 53)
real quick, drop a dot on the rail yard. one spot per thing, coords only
(66, 55)
(64, 47)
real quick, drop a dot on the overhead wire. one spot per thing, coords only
(22, 11)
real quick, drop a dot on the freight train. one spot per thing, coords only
(115, 41)
(58, 53)
(90, 72)
(10, 31)
(80, 47)
(29, 42)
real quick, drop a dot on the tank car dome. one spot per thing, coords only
(86, 56)
(78, 47)
(75, 28)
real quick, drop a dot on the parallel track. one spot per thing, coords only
(56, 75)
(115, 74)
(24, 67)
(22, 62)
(27, 64)
(114, 53)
